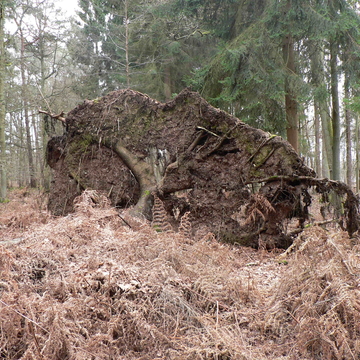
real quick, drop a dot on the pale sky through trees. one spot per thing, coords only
(68, 6)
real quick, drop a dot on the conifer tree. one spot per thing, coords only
(262, 72)
(148, 46)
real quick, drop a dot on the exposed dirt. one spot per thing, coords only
(198, 159)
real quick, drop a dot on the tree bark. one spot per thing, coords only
(127, 64)
(3, 185)
(335, 110)
(321, 108)
(26, 113)
(291, 105)
(357, 140)
(318, 167)
(349, 167)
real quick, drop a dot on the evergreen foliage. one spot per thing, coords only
(234, 52)
(249, 75)
(159, 48)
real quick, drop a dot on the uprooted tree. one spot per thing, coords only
(238, 182)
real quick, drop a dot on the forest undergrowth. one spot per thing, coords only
(96, 285)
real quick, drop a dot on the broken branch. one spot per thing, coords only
(53, 116)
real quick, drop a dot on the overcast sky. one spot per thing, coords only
(68, 6)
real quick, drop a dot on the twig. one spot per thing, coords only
(42, 95)
(124, 221)
(208, 131)
(24, 316)
(219, 142)
(285, 178)
(110, 191)
(53, 116)
(31, 328)
(217, 316)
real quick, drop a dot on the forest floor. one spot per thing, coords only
(96, 285)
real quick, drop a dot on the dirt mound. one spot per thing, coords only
(199, 160)
(96, 285)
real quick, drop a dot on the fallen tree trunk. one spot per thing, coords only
(198, 159)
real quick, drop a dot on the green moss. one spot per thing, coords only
(157, 228)
(256, 173)
(261, 156)
(283, 262)
(81, 144)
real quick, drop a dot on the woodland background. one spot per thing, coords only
(290, 67)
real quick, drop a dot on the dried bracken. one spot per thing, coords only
(160, 221)
(93, 286)
(89, 286)
(318, 301)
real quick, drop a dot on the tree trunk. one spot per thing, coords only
(127, 64)
(45, 170)
(3, 185)
(335, 111)
(349, 168)
(318, 167)
(26, 114)
(291, 105)
(357, 167)
(321, 108)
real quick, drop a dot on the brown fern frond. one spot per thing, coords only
(259, 208)
(90, 199)
(185, 225)
(160, 220)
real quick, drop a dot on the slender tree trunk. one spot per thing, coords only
(357, 167)
(308, 154)
(321, 109)
(291, 105)
(45, 170)
(327, 141)
(318, 151)
(127, 65)
(26, 115)
(3, 184)
(349, 166)
(335, 110)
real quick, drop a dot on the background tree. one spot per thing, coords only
(147, 46)
(3, 183)
(38, 79)
(264, 71)
(277, 65)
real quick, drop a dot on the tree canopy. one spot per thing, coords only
(287, 67)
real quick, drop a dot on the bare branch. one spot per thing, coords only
(53, 116)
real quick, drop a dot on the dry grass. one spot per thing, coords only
(87, 286)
